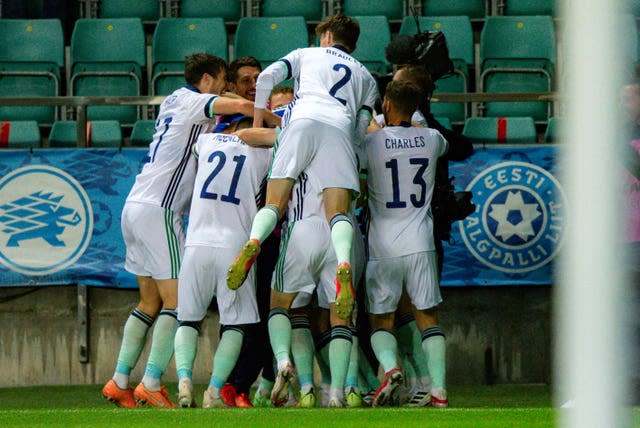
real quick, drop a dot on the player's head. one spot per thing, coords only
(630, 101)
(402, 97)
(206, 72)
(417, 74)
(280, 95)
(339, 30)
(233, 122)
(242, 76)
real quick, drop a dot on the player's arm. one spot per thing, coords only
(267, 80)
(232, 105)
(258, 137)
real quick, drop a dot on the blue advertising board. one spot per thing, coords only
(60, 217)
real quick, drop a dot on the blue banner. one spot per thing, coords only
(518, 227)
(60, 217)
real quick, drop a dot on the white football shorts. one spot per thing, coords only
(306, 143)
(154, 239)
(204, 275)
(417, 273)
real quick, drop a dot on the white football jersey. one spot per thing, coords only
(401, 174)
(226, 191)
(330, 86)
(166, 179)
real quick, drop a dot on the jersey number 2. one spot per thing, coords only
(231, 194)
(417, 200)
(340, 83)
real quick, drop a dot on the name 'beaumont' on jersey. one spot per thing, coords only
(404, 143)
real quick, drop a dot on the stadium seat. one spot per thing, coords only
(444, 121)
(269, 39)
(107, 58)
(176, 38)
(375, 35)
(553, 131)
(310, 10)
(500, 129)
(21, 134)
(393, 10)
(475, 9)
(517, 54)
(142, 133)
(31, 59)
(229, 10)
(459, 35)
(529, 7)
(100, 133)
(146, 10)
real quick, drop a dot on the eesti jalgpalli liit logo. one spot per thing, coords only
(46, 220)
(518, 225)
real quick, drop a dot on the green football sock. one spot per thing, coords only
(280, 335)
(421, 366)
(385, 347)
(339, 353)
(354, 359)
(367, 371)
(186, 347)
(264, 222)
(163, 339)
(133, 340)
(302, 352)
(342, 237)
(322, 356)
(226, 356)
(434, 347)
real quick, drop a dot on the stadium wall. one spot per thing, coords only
(494, 335)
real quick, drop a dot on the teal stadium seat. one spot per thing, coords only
(444, 121)
(176, 38)
(21, 134)
(500, 129)
(459, 34)
(554, 130)
(474, 9)
(100, 133)
(146, 10)
(375, 35)
(107, 59)
(310, 10)
(530, 7)
(229, 10)
(269, 38)
(517, 54)
(31, 60)
(142, 133)
(393, 10)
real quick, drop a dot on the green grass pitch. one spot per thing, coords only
(471, 406)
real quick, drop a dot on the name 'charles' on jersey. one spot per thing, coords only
(402, 166)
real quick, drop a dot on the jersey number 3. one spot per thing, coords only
(231, 193)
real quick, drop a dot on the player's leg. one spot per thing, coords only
(384, 288)
(280, 337)
(302, 351)
(186, 347)
(150, 391)
(337, 202)
(434, 348)
(133, 340)
(424, 291)
(224, 360)
(321, 332)
(266, 219)
(352, 392)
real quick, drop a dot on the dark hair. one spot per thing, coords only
(281, 90)
(345, 30)
(404, 95)
(238, 63)
(419, 75)
(196, 65)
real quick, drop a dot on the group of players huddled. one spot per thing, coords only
(280, 186)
